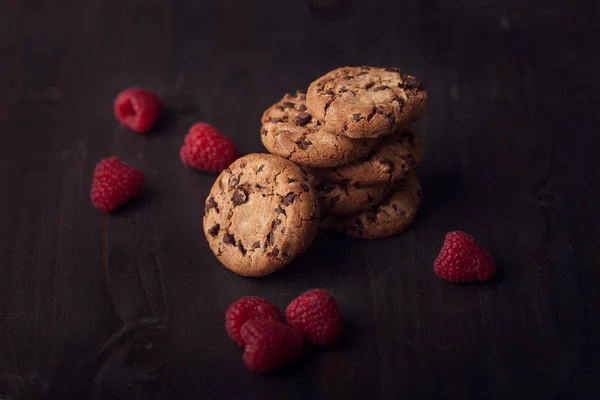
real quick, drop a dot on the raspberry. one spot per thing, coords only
(462, 259)
(207, 150)
(245, 309)
(270, 345)
(317, 316)
(137, 109)
(114, 184)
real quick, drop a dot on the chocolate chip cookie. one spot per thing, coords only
(260, 214)
(398, 154)
(289, 130)
(393, 215)
(338, 198)
(366, 102)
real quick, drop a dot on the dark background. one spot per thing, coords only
(131, 305)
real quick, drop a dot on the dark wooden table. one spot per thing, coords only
(131, 305)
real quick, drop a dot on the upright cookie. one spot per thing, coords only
(260, 214)
(391, 216)
(338, 198)
(366, 102)
(399, 153)
(290, 131)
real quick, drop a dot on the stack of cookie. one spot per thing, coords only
(351, 131)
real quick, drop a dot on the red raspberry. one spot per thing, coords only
(245, 309)
(462, 259)
(137, 109)
(270, 345)
(207, 150)
(114, 184)
(317, 316)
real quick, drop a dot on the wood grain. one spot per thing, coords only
(131, 305)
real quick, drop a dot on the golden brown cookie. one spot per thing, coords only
(366, 102)
(338, 198)
(260, 214)
(398, 154)
(290, 131)
(393, 215)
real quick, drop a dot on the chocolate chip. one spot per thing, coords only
(303, 118)
(275, 223)
(357, 117)
(410, 82)
(302, 107)
(379, 109)
(239, 197)
(392, 69)
(242, 249)
(328, 187)
(289, 199)
(262, 166)
(379, 88)
(391, 120)
(256, 244)
(369, 198)
(303, 144)
(333, 201)
(263, 132)
(285, 254)
(271, 238)
(276, 120)
(305, 187)
(292, 180)
(369, 84)
(343, 90)
(233, 181)
(287, 104)
(395, 207)
(214, 230)
(275, 251)
(280, 210)
(329, 92)
(347, 77)
(229, 239)
(211, 203)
